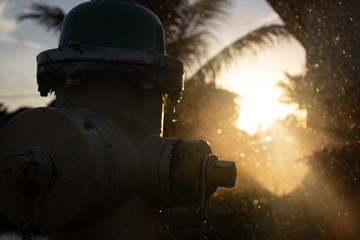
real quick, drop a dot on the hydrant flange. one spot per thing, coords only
(72, 62)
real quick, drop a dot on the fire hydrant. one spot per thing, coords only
(96, 165)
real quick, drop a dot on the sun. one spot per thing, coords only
(260, 95)
(260, 107)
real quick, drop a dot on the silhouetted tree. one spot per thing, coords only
(330, 93)
(329, 32)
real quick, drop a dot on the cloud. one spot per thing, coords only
(7, 38)
(35, 45)
(7, 26)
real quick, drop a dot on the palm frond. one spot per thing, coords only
(48, 16)
(296, 89)
(259, 38)
(189, 34)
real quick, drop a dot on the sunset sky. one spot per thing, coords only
(253, 77)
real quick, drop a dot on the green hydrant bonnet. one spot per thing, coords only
(113, 23)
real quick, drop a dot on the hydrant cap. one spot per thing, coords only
(113, 23)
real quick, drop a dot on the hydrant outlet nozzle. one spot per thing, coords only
(195, 171)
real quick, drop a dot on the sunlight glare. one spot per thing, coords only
(276, 163)
(259, 103)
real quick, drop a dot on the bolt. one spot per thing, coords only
(44, 90)
(74, 43)
(73, 81)
(43, 93)
(30, 169)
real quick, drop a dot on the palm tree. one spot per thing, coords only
(48, 16)
(187, 30)
(329, 33)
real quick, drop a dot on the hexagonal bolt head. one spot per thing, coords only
(31, 169)
(220, 174)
